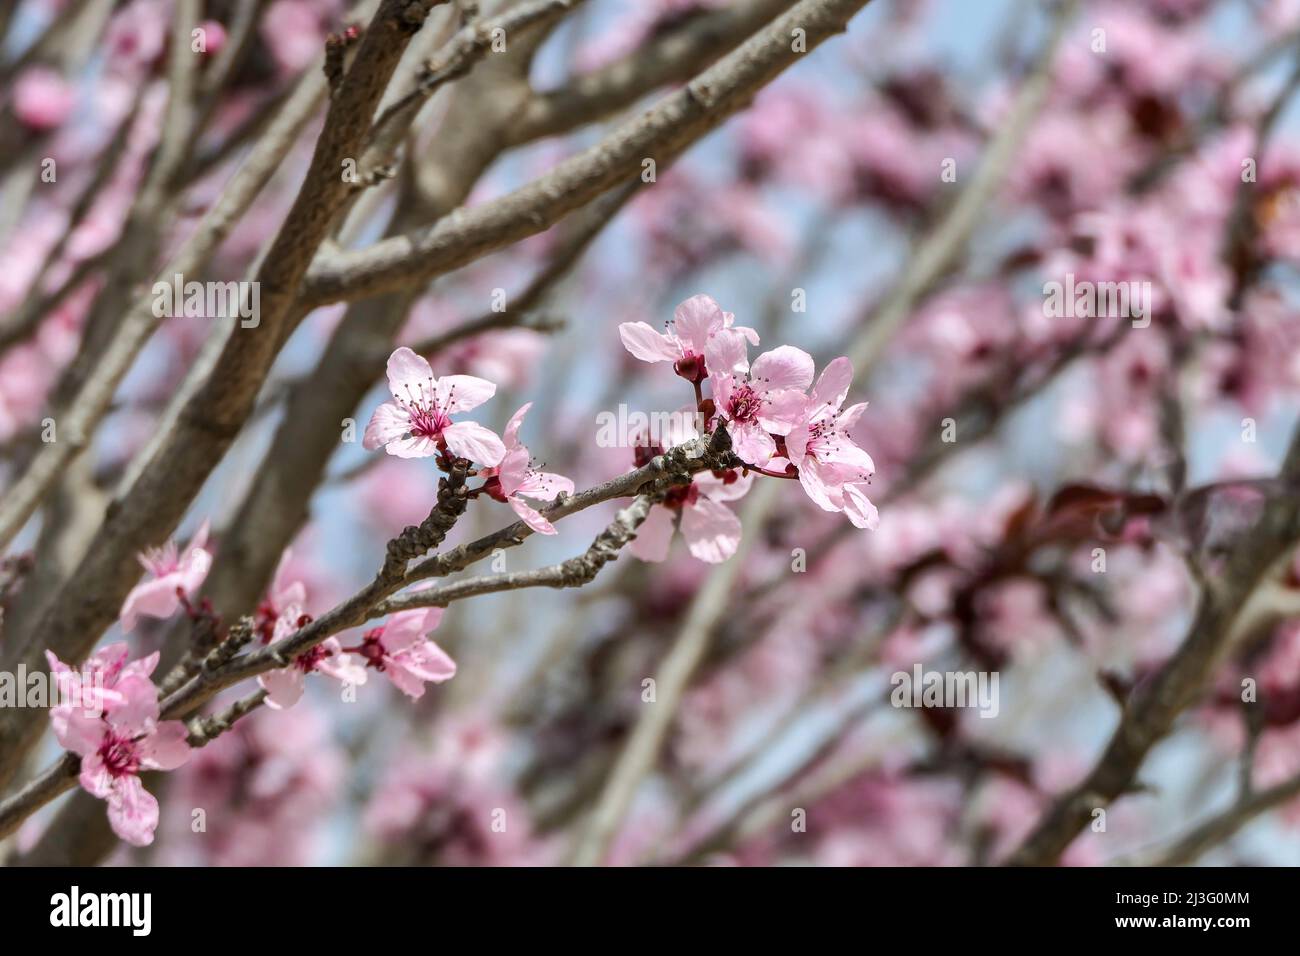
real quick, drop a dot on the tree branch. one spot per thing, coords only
(661, 133)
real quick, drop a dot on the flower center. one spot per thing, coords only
(427, 421)
(371, 649)
(307, 661)
(119, 756)
(744, 404)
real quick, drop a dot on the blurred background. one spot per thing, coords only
(1044, 481)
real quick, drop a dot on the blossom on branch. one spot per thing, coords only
(832, 469)
(402, 653)
(173, 573)
(712, 530)
(766, 401)
(775, 428)
(417, 422)
(126, 739)
(284, 687)
(515, 478)
(695, 324)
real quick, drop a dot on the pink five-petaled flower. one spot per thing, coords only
(768, 400)
(515, 477)
(171, 571)
(126, 739)
(832, 469)
(696, 322)
(284, 687)
(711, 529)
(417, 422)
(400, 650)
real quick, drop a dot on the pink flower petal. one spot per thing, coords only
(725, 353)
(796, 442)
(165, 749)
(860, 510)
(646, 344)
(695, 320)
(712, 531)
(460, 393)
(833, 385)
(132, 811)
(155, 598)
(405, 628)
(849, 417)
(812, 478)
(511, 435)
(138, 709)
(428, 661)
(409, 375)
(283, 687)
(94, 777)
(655, 535)
(545, 485)
(532, 517)
(784, 367)
(471, 440)
(513, 470)
(417, 446)
(76, 730)
(389, 423)
(782, 411)
(752, 443)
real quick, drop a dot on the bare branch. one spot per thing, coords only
(1150, 713)
(660, 134)
(572, 573)
(208, 423)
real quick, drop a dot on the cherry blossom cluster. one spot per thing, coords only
(781, 424)
(417, 423)
(119, 736)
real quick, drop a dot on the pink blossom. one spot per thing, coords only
(400, 650)
(42, 98)
(125, 740)
(94, 686)
(712, 530)
(515, 478)
(173, 574)
(286, 593)
(832, 469)
(768, 399)
(284, 687)
(417, 423)
(696, 322)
